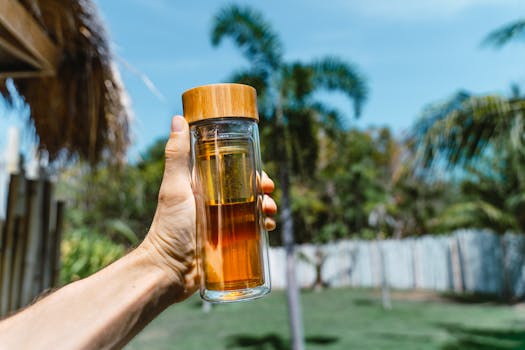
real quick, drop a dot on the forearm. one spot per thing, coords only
(103, 311)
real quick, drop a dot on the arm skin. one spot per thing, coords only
(107, 309)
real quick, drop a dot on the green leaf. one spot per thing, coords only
(505, 34)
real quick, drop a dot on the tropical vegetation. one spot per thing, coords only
(461, 166)
(482, 139)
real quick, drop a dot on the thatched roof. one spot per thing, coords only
(81, 108)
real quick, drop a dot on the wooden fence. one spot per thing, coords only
(473, 261)
(30, 236)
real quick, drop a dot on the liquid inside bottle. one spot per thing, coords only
(231, 238)
(232, 250)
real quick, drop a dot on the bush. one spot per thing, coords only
(84, 252)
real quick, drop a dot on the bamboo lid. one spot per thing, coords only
(220, 101)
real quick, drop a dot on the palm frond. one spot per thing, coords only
(505, 34)
(334, 74)
(256, 79)
(459, 130)
(251, 32)
(516, 201)
(478, 214)
(435, 112)
(297, 82)
(250, 77)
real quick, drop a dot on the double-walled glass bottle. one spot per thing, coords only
(232, 243)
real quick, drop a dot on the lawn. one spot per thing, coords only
(338, 319)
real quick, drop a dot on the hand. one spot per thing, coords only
(170, 242)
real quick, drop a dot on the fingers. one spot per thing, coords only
(267, 184)
(269, 209)
(269, 205)
(269, 224)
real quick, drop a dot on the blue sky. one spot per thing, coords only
(411, 52)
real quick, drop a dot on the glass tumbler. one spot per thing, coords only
(232, 243)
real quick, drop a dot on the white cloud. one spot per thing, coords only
(422, 9)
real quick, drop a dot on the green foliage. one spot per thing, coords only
(416, 202)
(109, 210)
(478, 214)
(492, 195)
(459, 130)
(506, 33)
(360, 173)
(482, 138)
(356, 179)
(116, 202)
(357, 172)
(85, 252)
(105, 199)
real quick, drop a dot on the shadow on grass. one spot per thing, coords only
(365, 302)
(404, 336)
(477, 298)
(321, 339)
(483, 339)
(273, 341)
(266, 342)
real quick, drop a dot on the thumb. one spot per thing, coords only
(176, 180)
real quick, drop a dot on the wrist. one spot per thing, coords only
(173, 280)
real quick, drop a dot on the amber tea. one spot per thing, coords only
(232, 247)
(231, 238)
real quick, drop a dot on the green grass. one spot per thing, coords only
(337, 319)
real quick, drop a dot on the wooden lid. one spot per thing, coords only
(220, 101)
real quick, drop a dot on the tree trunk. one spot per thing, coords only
(457, 270)
(385, 289)
(505, 288)
(292, 291)
(319, 260)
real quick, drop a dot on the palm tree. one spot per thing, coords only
(460, 129)
(485, 135)
(290, 116)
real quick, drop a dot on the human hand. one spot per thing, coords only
(171, 240)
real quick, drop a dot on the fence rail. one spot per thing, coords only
(465, 261)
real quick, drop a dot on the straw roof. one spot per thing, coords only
(81, 109)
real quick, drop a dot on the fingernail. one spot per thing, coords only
(177, 123)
